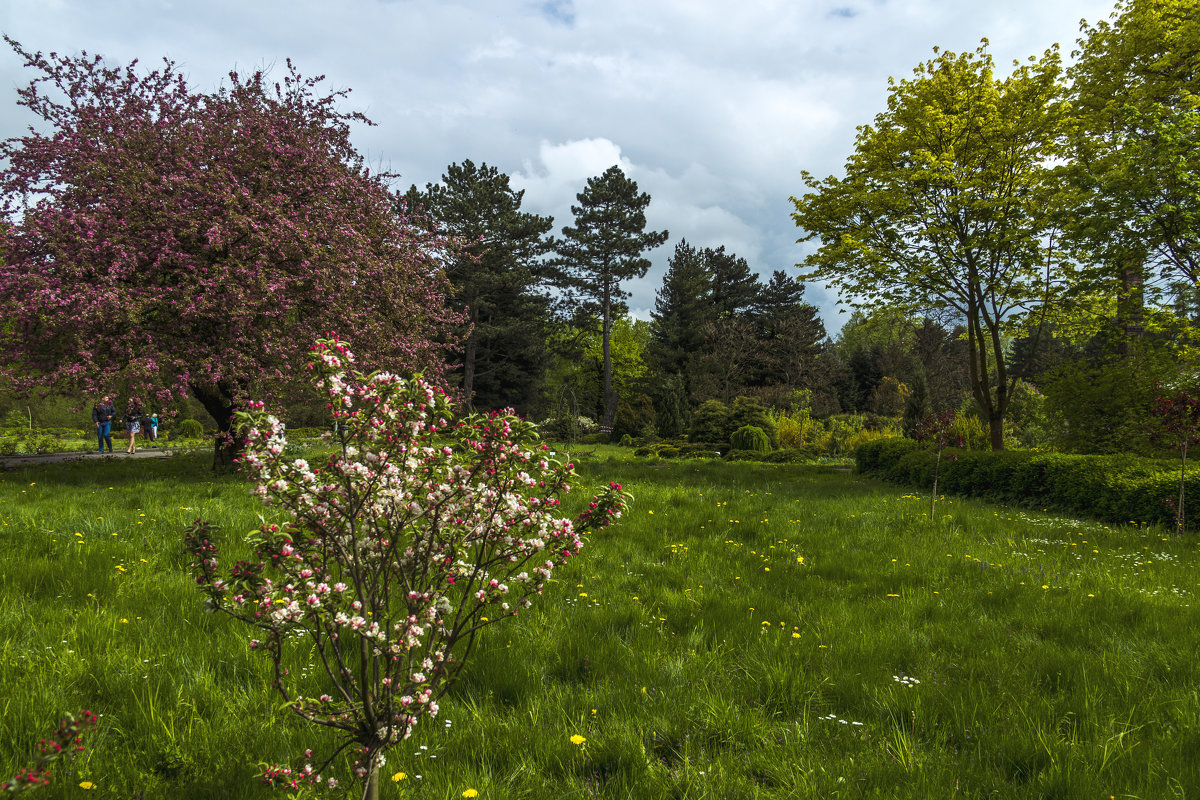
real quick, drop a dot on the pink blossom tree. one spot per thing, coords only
(165, 241)
(420, 531)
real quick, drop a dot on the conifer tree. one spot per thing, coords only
(497, 279)
(601, 250)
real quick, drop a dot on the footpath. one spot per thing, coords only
(16, 462)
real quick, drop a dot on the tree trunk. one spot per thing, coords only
(218, 402)
(937, 468)
(1131, 304)
(371, 790)
(996, 432)
(610, 397)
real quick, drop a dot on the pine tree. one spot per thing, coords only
(496, 279)
(603, 249)
(734, 287)
(681, 309)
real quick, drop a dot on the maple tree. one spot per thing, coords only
(167, 241)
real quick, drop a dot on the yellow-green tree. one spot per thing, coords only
(942, 207)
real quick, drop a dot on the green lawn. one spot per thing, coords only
(994, 653)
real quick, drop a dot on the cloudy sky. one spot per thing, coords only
(714, 108)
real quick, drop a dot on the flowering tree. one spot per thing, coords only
(416, 534)
(165, 241)
(936, 431)
(67, 739)
(1179, 427)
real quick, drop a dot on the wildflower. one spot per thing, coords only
(577, 739)
(471, 793)
(86, 784)
(399, 776)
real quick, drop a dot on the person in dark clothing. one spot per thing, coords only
(133, 423)
(102, 414)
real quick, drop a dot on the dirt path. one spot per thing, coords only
(15, 462)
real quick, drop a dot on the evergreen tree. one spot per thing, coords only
(734, 287)
(497, 279)
(603, 249)
(681, 309)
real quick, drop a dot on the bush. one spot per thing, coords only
(710, 422)
(595, 438)
(668, 452)
(9, 445)
(1119, 488)
(750, 437)
(750, 411)
(626, 441)
(190, 429)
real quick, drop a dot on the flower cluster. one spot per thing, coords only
(66, 739)
(419, 531)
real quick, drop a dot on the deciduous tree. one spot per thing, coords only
(167, 240)
(943, 206)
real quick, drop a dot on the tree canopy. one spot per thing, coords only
(496, 279)
(942, 206)
(167, 240)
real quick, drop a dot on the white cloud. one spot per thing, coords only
(714, 108)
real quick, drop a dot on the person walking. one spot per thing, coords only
(154, 427)
(133, 423)
(102, 414)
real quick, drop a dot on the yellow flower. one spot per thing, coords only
(86, 785)
(577, 739)
(795, 635)
(399, 776)
(471, 793)
(124, 620)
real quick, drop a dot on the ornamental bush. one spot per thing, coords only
(750, 437)
(190, 429)
(420, 531)
(710, 422)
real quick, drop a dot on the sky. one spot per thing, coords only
(713, 108)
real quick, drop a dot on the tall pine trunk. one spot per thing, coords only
(610, 397)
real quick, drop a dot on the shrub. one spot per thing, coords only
(626, 441)
(710, 422)
(750, 437)
(1113, 488)
(668, 452)
(418, 534)
(750, 411)
(9, 445)
(595, 438)
(190, 429)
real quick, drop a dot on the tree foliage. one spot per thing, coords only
(166, 240)
(1133, 146)
(497, 281)
(942, 206)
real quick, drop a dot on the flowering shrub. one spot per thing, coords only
(416, 534)
(66, 739)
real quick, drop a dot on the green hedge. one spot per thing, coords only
(1114, 488)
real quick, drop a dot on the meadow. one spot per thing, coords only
(747, 631)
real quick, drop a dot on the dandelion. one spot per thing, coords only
(399, 776)
(86, 785)
(471, 793)
(577, 739)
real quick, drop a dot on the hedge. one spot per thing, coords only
(1119, 489)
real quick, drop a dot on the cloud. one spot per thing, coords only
(714, 108)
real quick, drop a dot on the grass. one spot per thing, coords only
(993, 653)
